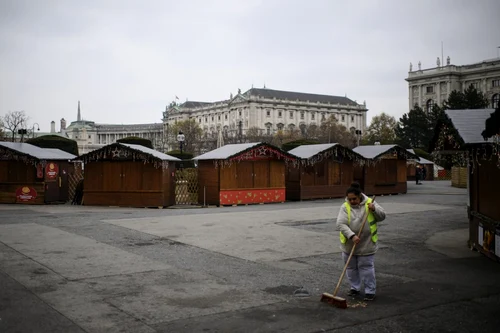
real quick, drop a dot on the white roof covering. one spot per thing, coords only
(470, 123)
(155, 153)
(37, 152)
(308, 151)
(374, 151)
(226, 151)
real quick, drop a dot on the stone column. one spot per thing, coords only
(410, 98)
(419, 95)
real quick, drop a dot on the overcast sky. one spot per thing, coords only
(125, 60)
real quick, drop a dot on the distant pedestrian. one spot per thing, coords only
(418, 174)
(361, 268)
(424, 172)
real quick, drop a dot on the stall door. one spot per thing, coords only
(52, 182)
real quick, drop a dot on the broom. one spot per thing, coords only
(335, 300)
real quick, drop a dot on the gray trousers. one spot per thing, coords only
(361, 269)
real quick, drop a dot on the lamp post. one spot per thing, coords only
(359, 133)
(180, 139)
(33, 129)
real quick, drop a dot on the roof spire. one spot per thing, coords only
(79, 115)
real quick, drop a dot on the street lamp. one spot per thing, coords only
(33, 129)
(359, 133)
(180, 139)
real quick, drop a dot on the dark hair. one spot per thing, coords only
(355, 189)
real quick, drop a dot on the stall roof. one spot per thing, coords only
(470, 123)
(155, 153)
(148, 152)
(232, 150)
(309, 151)
(375, 151)
(37, 152)
(227, 151)
(422, 160)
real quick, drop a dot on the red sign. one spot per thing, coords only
(26, 193)
(52, 170)
(251, 196)
(39, 171)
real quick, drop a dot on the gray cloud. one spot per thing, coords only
(125, 60)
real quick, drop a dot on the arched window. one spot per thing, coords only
(269, 127)
(429, 105)
(280, 126)
(303, 129)
(495, 101)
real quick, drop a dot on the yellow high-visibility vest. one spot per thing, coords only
(371, 221)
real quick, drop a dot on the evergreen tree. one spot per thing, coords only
(413, 129)
(471, 98)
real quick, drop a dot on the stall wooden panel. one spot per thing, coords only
(228, 177)
(131, 176)
(112, 176)
(261, 174)
(151, 179)
(277, 172)
(334, 173)
(208, 182)
(244, 172)
(292, 183)
(94, 177)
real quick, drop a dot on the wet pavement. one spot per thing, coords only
(235, 269)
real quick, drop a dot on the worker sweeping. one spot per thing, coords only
(361, 267)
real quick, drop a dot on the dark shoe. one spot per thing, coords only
(353, 292)
(369, 297)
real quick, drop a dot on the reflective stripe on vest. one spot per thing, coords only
(371, 221)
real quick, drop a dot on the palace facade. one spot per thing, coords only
(268, 110)
(433, 85)
(90, 136)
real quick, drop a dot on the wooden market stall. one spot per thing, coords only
(33, 175)
(246, 173)
(461, 136)
(128, 175)
(411, 165)
(324, 171)
(385, 169)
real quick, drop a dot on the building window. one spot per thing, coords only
(352, 119)
(303, 129)
(495, 83)
(225, 116)
(206, 119)
(218, 117)
(212, 118)
(495, 101)
(280, 126)
(268, 128)
(239, 113)
(429, 105)
(90, 137)
(312, 116)
(291, 114)
(323, 117)
(343, 118)
(280, 114)
(199, 120)
(302, 115)
(430, 89)
(268, 113)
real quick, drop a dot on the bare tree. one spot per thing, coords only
(14, 121)
(192, 135)
(2, 132)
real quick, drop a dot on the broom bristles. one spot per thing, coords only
(336, 301)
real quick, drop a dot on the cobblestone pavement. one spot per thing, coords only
(235, 269)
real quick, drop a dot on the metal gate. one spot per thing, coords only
(186, 186)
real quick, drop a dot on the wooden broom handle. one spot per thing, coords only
(352, 251)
